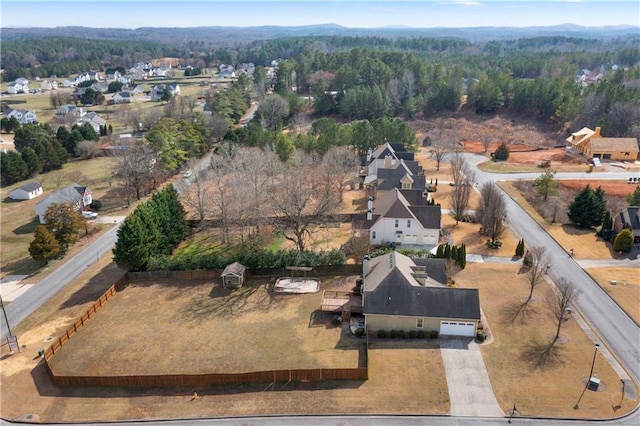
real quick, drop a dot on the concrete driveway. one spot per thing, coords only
(470, 391)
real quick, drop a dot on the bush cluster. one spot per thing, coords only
(413, 334)
(253, 259)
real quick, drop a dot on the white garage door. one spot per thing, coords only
(449, 328)
(411, 239)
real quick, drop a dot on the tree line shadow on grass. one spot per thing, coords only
(95, 287)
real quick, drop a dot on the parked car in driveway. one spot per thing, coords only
(89, 215)
(187, 174)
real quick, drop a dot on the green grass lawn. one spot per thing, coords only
(19, 220)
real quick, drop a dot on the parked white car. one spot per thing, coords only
(187, 174)
(89, 215)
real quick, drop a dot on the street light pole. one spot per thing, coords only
(593, 363)
(4, 313)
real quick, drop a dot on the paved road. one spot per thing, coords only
(33, 298)
(612, 324)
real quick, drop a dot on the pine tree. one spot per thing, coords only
(462, 256)
(137, 242)
(587, 209)
(502, 152)
(44, 245)
(520, 248)
(607, 222)
(634, 198)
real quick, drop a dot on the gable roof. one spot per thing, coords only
(73, 193)
(236, 269)
(634, 219)
(614, 144)
(580, 136)
(391, 289)
(28, 187)
(393, 204)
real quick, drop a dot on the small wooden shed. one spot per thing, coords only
(233, 275)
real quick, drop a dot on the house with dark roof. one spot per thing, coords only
(27, 191)
(631, 218)
(400, 217)
(399, 293)
(76, 194)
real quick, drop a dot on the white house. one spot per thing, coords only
(48, 85)
(75, 194)
(77, 112)
(123, 97)
(94, 120)
(22, 81)
(22, 115)
(158, 90)
(17, 87)
(68, 82)
(27, 191)
(400, 217)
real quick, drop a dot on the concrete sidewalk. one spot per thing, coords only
(470, 391)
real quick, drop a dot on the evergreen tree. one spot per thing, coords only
(136, 243)
(623, 241)
(44, 245)
(31, 159)
(12, 168)
(520, 248)
(607, 222)
(462, 256)
(502, 152)
(634, 198)
(586, 209)
(545, 184)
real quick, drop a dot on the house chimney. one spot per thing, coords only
(596, 133)
(369, 214)
(369, 153)
(370, 203)
(387, 162)
(365, 266)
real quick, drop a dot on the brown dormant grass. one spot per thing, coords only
(626, 291)
(550, 390)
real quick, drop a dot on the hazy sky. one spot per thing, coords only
(353, 13)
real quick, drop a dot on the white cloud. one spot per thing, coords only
(472, 3)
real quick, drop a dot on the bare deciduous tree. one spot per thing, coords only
(136, 166)
(559, 303)
(273, 109)
(340, 164)
(462, 177)
(197, 195)
(443, 142)
(537, 269)
(300, 199)
(492, 211)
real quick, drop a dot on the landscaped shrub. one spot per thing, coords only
(481, 336)
(433, 334)
(394, 334)
(336, 320)
(623, 241)
(95, 205)
(402, 334)
(502, 152)
(381, 334)
(359, 332)
(413, 334)
(420, 334)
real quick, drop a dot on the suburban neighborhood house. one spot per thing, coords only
(76, 194)
(592, 145)
(27, 191)
(391, 166)
(630, 217)
(21, 85)
(400, 217)
(157, 91)
(399, 293)
(22, 115)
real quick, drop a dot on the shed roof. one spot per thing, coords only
(236, 269)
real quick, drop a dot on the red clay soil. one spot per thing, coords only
(613, 188)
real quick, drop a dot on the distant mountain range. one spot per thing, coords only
(246, 34)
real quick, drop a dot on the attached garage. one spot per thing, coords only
(450, 328)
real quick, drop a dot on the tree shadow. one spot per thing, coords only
(542, 354)
(27, 228)
(520, 313)
(95, 287)
(574, 230)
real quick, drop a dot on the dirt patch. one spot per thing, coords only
(616, 188)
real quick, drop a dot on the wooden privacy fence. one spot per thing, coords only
(175, 380)
(64, 337)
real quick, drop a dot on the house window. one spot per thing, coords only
(419, 323)
(373, 235)
(408, 223)
(397, 223)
